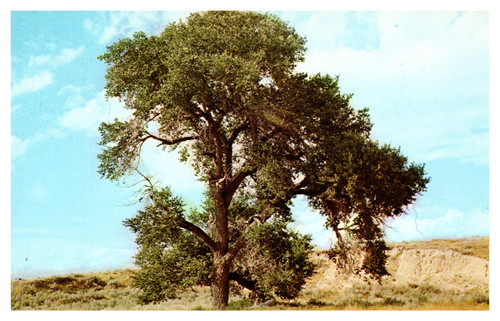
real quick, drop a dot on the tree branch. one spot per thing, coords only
(244, 125)
(249, 284)
(300, 188)
(217, 139)
(183, 223)
(302, 191)
(145, 177)
(257, 219)
(198, 232)
(170, 142)
(188, 226)
(155, 83)
(235, 182)
(209, 154)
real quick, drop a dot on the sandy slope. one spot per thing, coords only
(445, 269)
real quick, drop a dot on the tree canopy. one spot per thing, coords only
(223, 89)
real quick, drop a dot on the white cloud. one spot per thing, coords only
(33, 45)
(33, 83)
(74, 96)
(307, 221)
(430, 69)
(14, 108)
(163, 165)
(74, 101)
(39, 60)
(124, 24)
(65, 57)
(469, 149)
(321, 28)
(462, 135)
(88, 117)
(49, 134)
(51, 45)
(424, 223)
(69, 89)
(38, 79)
(18, 147)
(105, 258)
(53, 257)
(168, 170)
(443, 223)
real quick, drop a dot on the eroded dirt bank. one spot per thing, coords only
(445, 269)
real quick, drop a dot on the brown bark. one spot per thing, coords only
(219, 279)
(219, 282)
(219, 226)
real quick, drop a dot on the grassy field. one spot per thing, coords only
(112, 291)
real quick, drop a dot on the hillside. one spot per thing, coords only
(432, 275)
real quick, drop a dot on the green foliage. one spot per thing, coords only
(240, 304)
(276, 259)
(374, 262)
(362, 188)
(171, 259)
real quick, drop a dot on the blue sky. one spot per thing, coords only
(424, 76)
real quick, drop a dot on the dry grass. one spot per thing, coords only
(93, 291)
(474, 246)
(112, 291)
(364, 296)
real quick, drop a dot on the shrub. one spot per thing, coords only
(240, 304)
(115, 284)
(316, 302)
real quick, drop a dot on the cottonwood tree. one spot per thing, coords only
(221, 87)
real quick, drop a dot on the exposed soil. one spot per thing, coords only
(445, 269)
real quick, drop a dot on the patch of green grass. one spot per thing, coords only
(241, 304)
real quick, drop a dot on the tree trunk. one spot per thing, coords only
(219, 285)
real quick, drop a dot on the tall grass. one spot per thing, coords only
(394, 297)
